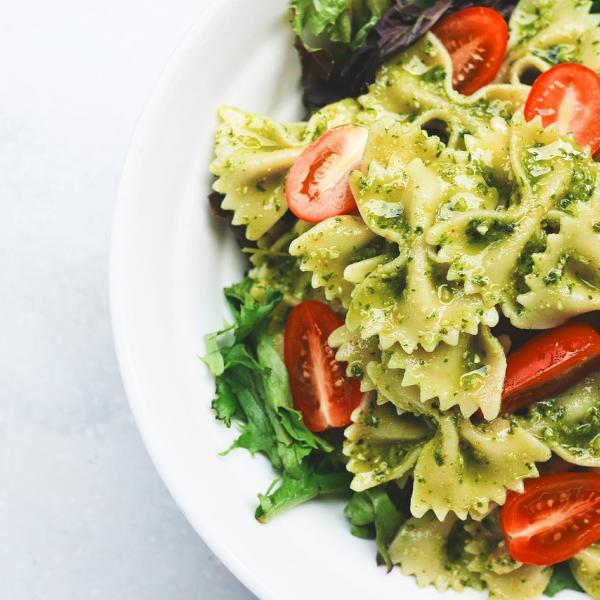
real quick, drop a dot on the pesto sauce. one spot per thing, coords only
(487, 231)
(581, 187)
(435, 76)
(396, 220)
(536, 244)
(395, 284)
(579, 436)
(375, 248)
(277, 270)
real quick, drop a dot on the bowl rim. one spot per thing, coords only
(117, 245)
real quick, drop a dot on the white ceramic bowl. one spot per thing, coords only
(169, 262)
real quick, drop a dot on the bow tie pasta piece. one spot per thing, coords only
(565, 277)
(409, 300)
(430, 550)
(357, 353)
(399, 303)
(333, 115)
(452, 554)
(570, 423)
(486, 547)
(330, 247)
(491, 250)
(462, 468)
(382, 445)
(528, 582)
(417, 85)
(253, 155)
(585, 566)
(469, 375)
(503, 577)
(544, 33)
(388, 383)
(465, 467)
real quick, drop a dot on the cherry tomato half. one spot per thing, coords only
(476, 39)
(317, 184)
(548, 363)
(568, 94)
(556, 517)
(321, 390)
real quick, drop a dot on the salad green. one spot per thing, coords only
(252, 390)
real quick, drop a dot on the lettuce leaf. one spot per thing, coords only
(329, 76)
(252, 389)
(319, 23)
(317, 477)
(374, 515)
(562, 579)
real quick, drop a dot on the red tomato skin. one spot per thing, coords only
(470, 33)
(583, 87)
(548, 363)
(321, 390)
(340, 148)
(556, 517)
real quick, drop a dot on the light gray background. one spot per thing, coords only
(83, 514)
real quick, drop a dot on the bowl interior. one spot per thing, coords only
(170, 260)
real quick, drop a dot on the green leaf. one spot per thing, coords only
(252, 314)
(277, 385)
(213, 358)
(373, 514)
(239, 356)
(279, 397)
(387, 522)
(562, 579)
(248, 312)
(293, 423)
(237, 293)
(359, 511)
(344, 22)
(257, 433)
(252, 387)
(225, 403)
(287, 492)
(365, 532)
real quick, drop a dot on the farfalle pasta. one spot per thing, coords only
(399, 280)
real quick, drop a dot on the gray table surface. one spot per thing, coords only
(83, 513)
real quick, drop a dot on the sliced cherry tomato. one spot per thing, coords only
(317, 184)
(548, 363)
(556, 517)
(322, 391)
(476, 39)
(568, 94)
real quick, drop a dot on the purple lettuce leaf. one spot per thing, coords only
(325, 80)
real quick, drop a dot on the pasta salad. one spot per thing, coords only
(418, 330)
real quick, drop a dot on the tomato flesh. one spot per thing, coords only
(569, 95)
(476, 39)
(549, 363)
(556, 517)
(321, 390)
(317, 184)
